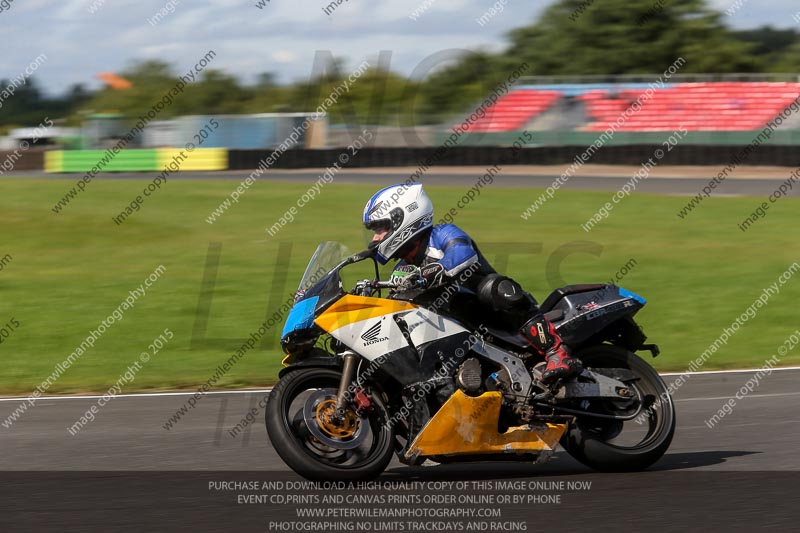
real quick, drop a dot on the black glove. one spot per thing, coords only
(432, 275)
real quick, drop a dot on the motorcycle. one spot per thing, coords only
(437, 378)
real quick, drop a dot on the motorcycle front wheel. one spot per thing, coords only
(622, 446)
(318, 445)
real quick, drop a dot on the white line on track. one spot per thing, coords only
(774, 395)
(254, 391)
(138, 395)
(739, 371)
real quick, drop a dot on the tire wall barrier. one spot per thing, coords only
(632, 154)
(21, 160)
(203, 159)
(81, 161)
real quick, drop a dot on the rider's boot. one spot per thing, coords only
(542, 335)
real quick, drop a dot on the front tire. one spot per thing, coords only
(593, 441)
(359, 452)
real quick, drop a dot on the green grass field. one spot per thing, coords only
(71, 270)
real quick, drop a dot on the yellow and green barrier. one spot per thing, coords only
(202, 159)
(82, 161)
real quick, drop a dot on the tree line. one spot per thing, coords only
(571, 37)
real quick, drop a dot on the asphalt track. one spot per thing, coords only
(760, 435)
(742, 185)
(750, 456)
(126, 472)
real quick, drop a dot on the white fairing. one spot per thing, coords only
(375, 337)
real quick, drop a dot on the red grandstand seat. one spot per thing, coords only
(513, 110)
(727, 106)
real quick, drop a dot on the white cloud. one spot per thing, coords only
(284, 56)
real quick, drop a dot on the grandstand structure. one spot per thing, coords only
(515, 109)
(731, 105)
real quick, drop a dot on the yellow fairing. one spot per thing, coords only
(350, 309)
(467, 425)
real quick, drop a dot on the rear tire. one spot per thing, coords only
(295, 447)
(587, 444)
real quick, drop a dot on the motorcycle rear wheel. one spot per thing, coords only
(595, 441)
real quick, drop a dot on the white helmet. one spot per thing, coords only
(405, 211)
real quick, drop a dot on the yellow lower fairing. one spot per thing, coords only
(467, 425)
(350, 309)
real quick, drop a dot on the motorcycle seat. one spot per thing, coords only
(559, 293)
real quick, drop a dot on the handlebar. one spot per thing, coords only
(366, 287)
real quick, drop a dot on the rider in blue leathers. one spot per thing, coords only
(401, 217)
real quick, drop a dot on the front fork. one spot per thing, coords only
(348, 372)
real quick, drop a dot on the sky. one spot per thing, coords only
(281, 37)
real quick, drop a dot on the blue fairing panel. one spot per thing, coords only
(628, 294)
(301, 316)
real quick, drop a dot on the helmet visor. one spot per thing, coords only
(383, 225)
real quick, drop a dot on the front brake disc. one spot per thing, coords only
(344, 434)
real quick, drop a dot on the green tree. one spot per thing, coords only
(456, 87)
(27, 106)
(768, 42)
(150, 81)
(215, 93)
(379, 96)
(629, 37)
(609, 37)
(790, 60)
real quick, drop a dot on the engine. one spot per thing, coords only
(474, 379)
